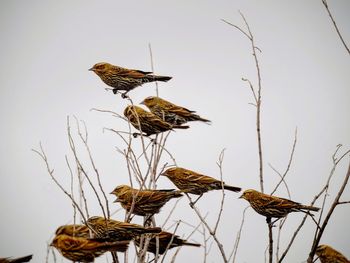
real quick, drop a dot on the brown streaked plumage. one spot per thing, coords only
(74, 231)
(122, 78)
(113, 230)
(327, 254)
(164, 241)
(143, 202)
(273, 206)
(16, 260)
(84, 249)
(171, 113)
(147, 122)
(195, 183)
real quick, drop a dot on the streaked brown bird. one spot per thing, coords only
(83, 249)
(16, 260)
(171, 113)
(273, 206)
(327, 254)
(124, 79)
(194, 183)
(143, 202)
(166, 241)
(147, 122)
(113, 230)
(74, 231)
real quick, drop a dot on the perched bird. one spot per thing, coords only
(143, 202)
(74, 231)
(166, 241)
(83, 249)
(113, 230)
(171, 113)
(147, 122)
(194, 183)
(273, 206)
(327, 254)
(124, 79)
(16, 260)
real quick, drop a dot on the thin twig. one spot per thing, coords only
(51, 171)
(324, 2)
(288, 166)
(238, 237)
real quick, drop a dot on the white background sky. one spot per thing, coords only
(48, 46)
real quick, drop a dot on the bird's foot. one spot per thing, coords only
(125, 96)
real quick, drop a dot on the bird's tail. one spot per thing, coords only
(119, 246)
(310, 208)
(177, 194)
(191, 244)
(158, 78)
(232, 188)
(21, 260)
(155, 230)
(196, 117)
(180, 126)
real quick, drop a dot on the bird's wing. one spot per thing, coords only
(131, 73)
(155, 121)
(204, 179)
(168, 106)
(72, 243)
(273, 201)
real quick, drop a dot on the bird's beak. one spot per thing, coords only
(91, 69)
(142, 102)
(112, 193)
(240, 197)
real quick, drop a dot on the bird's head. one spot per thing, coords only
(100, 67)
(150, 101)
(131, 110)
(120, 190)
(170, 172)
(54, 242)
(320, 249)
(94, 220)
(248, 194)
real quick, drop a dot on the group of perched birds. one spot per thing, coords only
(83, 243)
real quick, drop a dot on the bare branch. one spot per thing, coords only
(328, 216)
(256, 94)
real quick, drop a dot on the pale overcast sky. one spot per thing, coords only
(47, 48)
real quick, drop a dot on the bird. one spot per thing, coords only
(113, 230)
(83, 249)
(16, 260)
(273, 206)
(327, 254)
(148, 123)
(194, 183)
(74, 231)
(171, 113)
(143, 202)
(124, 79)
(166, 241)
